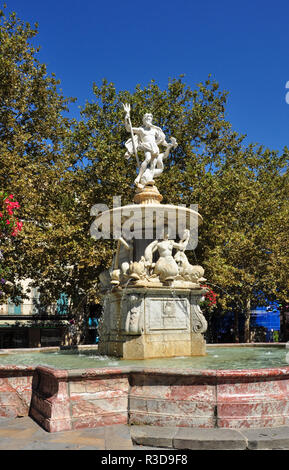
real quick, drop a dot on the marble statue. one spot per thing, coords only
(187, 271)
(123, 258)
(165, 267)
(120, 265)
(137, 270)
(147, 139)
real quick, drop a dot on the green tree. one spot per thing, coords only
(246, 251)
(32, 132)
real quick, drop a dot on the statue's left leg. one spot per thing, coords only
(159, 166)
(154, 163)
(143, 167)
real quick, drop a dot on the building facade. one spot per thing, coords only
(28, 324)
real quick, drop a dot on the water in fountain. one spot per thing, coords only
(218, 357)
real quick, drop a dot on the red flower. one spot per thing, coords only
(210, 296)
(14, 205)
(19, 225)
(8, 207)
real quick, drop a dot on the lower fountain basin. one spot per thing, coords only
(140, 393)
(218, 357)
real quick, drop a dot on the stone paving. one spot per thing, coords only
(26, 434)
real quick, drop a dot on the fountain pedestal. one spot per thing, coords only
(142, 323)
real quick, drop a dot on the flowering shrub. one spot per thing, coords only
(210, 298)
(9, 224)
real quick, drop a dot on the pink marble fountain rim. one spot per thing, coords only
(126, 370)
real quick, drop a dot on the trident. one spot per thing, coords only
(126, 107)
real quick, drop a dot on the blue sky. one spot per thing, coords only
(244, 45)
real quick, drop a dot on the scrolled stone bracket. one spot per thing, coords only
(199, 323)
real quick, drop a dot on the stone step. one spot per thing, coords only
(211, 439)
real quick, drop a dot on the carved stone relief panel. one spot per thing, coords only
(166, 313)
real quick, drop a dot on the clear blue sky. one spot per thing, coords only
(244, 45)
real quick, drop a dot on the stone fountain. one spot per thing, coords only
(151, 293)
(151, 297)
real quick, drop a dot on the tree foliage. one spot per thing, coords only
(32, 134)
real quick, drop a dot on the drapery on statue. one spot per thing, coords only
(147, 138)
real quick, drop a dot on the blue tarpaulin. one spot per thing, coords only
(268, 317)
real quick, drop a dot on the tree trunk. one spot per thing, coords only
(236, 326)
(77, 331)
(247, 321)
